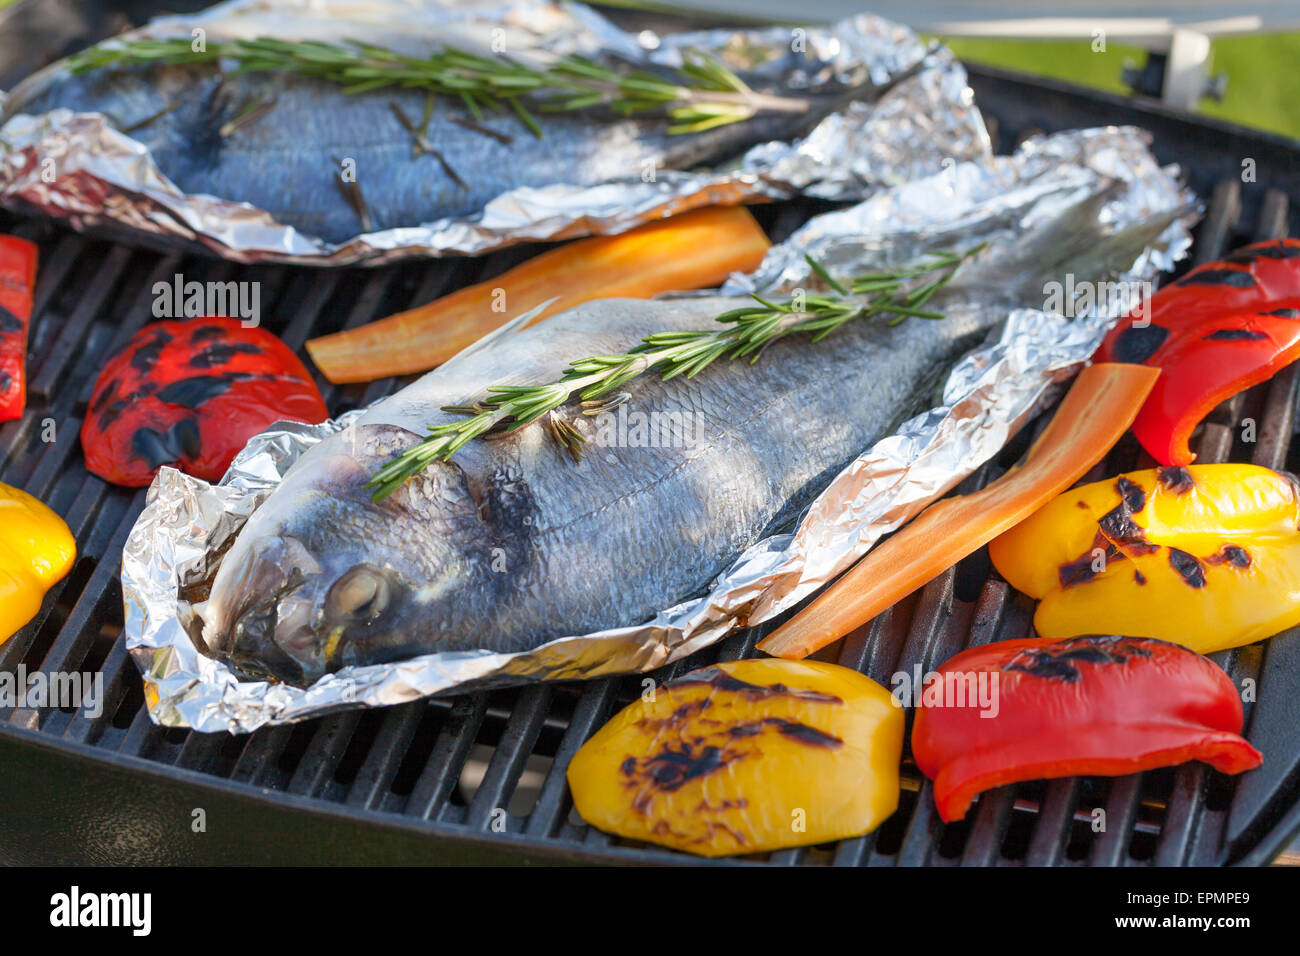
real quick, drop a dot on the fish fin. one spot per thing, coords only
(511, 327)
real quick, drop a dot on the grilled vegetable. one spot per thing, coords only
(1220, 329)
(1093, 416)
(744, 757)
(17, 284)
(190, 394)
(692, 251)
(1089, 705)
(36, 551)
(1206, 556)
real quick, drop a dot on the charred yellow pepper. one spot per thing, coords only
(744, 757)
(1206, 556)
(36, 551)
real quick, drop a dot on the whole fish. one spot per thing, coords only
(335, 165)
(512, 543)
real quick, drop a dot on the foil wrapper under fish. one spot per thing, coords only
(1018, 204)
(77, 166)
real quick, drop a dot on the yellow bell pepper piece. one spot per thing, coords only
(745, 757)
(1206, 556)
(36, 551)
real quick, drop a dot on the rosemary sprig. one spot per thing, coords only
(701, 95)
(899, 294)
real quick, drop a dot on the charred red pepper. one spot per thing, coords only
(1223, 327)
(1029, 709)
(190, 394)
(17, 284)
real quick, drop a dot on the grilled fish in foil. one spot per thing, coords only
(515, 563)
(287, 168)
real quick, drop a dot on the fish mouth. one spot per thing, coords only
(275, 638)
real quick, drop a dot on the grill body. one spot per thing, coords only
(419, 783)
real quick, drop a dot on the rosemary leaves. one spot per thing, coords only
(702, 94)
(899, 294)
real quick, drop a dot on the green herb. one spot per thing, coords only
(701, 95)
(747, 331)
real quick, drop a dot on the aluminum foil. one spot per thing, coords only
(108, 182)
(1098, 189)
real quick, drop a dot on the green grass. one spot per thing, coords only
(1263, 82)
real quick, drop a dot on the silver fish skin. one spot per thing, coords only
(512, 543)
(303, 133)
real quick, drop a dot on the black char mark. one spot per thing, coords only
(670, 769)
(1274, 249)
(1131, 494)
(205, 333)
(194, 391)
(719, 679)
(147, 353)
(1060, 661)
(1283, 313)
(1118, 524)
(1136, 344)
(1233, 335)
(106, 394)
(1175, 479)
(163, 448)
(1081, 570)
(1187, 568)
(1232, 554)
(9, 322)
(216, 356)
(805, 734)
(1139, 577)
(111, 410)
(1236, 278)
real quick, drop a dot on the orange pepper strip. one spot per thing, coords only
(1100, 406)
(696, 250)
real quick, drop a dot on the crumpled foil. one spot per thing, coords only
(1025, 206)
(106, 181)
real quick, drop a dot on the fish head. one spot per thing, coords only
(322, 577)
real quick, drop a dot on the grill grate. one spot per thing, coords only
(447, 765)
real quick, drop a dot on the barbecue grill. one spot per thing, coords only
(421, 782)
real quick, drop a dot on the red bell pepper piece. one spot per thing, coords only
(1223, 327)
(1087, 705)
(17, 285)
(190, 394)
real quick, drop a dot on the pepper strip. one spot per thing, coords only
(1031, 709)
(1220, 329)
(17, 284)
(1206, 556)
(1092, 417)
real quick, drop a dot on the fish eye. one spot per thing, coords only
(360, 594)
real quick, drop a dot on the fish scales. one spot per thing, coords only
(512, 543)
(287, 138)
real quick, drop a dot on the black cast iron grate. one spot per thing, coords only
(448, 765)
